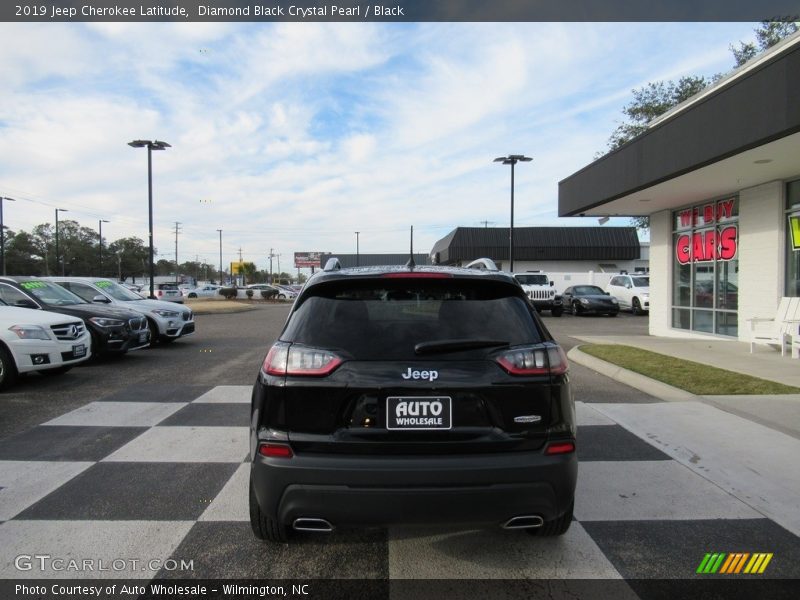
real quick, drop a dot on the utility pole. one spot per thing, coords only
(177, 231)
(270, 265)
(279, 265)
(2, 234)
(241, 266)
(220, 256)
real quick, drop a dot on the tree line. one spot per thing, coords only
(34, 253)
(656, 98)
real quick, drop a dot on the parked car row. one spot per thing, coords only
(49, 324)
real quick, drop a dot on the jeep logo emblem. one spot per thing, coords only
(429, 375)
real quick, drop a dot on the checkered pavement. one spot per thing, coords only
(161, 472)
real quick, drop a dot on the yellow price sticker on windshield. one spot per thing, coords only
(794, 228)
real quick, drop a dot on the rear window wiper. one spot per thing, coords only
(437, 346)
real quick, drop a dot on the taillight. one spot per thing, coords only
(275, 450)
(537, 360)
(159, 293)
(560, 448)
(287, 359)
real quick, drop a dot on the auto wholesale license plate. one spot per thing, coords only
(79, 350)
(416, 412)
(142, 337)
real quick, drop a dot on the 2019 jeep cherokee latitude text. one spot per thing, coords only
(399, 396)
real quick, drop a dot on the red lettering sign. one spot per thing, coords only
(682, 249)
(705, 246)
(727, 243)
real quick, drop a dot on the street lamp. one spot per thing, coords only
(512, 159)
(100, 223)
(58, 256)
(3, 234)
(154, 145)
(220, 256)
(358, 257)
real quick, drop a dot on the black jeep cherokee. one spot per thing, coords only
(402, 395)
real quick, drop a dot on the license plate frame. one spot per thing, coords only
(142, 337)
(78, 350)
(419, 408)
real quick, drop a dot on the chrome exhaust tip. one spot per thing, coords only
(524, 522)
(312, 524)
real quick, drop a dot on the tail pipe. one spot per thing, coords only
(312, 524)
(524, 522)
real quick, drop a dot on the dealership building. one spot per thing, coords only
(570, 255)
(719, 177)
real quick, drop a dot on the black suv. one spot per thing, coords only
(402, 395)
(113, 330)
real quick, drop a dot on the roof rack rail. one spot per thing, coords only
(333, 264)
(483, 264)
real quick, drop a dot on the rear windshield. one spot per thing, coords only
(385, 319)
(532, 279)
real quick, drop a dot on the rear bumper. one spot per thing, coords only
(485, 489)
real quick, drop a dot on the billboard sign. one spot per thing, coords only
(307, 259)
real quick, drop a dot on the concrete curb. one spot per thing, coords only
(635, 380)
(223, 311)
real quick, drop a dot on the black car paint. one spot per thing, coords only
(485, 470)
(600, 303)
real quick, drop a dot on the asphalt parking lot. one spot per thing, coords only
(145, 457)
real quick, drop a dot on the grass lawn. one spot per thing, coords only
(693, 377)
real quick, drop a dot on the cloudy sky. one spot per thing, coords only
(293, 136)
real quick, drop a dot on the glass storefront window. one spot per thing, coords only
(705, 290)
(792, 255)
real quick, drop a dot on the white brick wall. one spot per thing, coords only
(661, 274)
(761, 251)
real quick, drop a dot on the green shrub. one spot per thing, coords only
(249, 293)
(229, 293)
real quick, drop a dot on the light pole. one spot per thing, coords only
(58, 256)
(358, 256)
(512, 159)
(3, 233)
(220, 256)
(100, 224)
(150, 145)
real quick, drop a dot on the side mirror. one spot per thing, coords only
(551, 284)
(101, 299)
(607, 293)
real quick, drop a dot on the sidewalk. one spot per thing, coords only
(781, 413)
(747, 445)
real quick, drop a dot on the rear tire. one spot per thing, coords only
(8, 369)
(265, 527)
(636, 307)
(555, 527)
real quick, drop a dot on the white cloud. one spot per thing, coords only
(296, 135)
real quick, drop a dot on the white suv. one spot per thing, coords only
(37, 340)
(631, 291)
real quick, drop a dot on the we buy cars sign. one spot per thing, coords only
(307, 259)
